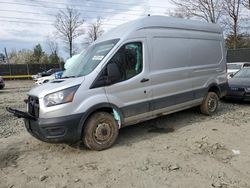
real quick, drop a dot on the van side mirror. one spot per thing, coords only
(114, 74)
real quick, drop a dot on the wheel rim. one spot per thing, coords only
(103, 132)
(212, 104)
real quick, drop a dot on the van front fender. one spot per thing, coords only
(99, 107)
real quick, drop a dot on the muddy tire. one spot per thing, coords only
(101, 131)
(210, 104)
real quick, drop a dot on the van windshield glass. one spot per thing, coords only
(233, 66)
(89, 59)
(243, 73)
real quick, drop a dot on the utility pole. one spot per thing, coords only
(7, 59)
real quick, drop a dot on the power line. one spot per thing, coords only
(40, 22)
(80, 5)
(25, 12)
(104, 2)
(54, 15)
(32, 19)
(95, 1)
(25, 22)
(48, 7)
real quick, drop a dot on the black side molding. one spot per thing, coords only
(20, 114)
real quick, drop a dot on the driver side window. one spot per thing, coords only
(129, 59)
(129, 63)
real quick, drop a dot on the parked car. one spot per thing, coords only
(45, 73)
(2, 84)
(45, 79)
(233, 68)
(138, 71)
(239, 85)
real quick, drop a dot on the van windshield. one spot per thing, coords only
(233, 66)
(89, 59)
(243, 73)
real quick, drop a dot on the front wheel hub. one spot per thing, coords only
(212, 104)
(103, 132)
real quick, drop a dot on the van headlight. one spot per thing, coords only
(60, 97)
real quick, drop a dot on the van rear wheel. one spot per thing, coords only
(101, 131)
(210, 104)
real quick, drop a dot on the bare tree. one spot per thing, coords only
(178, 13)
(69, 26)
(232, 10)
(246, 3)
(94, 30)
(52, 45)
(208, 10)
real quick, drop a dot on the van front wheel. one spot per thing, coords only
(101, 131)
(210, 104)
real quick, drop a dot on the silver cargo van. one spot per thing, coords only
(138, 71)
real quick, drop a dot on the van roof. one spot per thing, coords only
(159, 22)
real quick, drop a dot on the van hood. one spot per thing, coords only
(54, 86)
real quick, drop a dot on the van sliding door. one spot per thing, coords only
(170, 74)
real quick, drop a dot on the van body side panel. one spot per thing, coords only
(171, 82)
(209, 67)
(183, 65)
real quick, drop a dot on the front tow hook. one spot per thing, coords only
(20, 114)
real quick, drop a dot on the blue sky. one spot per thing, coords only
(16, 33)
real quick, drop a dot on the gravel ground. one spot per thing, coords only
(13, 95)
(185, 149)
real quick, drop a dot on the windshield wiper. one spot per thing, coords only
(68, 77)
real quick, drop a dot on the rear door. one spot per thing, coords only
(132, 93)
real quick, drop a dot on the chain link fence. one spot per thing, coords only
(24, 69)
(238, 55)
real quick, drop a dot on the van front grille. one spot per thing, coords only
(33, 106)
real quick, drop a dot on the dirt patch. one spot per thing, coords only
(217, 151)
(161, 130)
(9, 157)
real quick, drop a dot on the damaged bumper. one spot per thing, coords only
(20, 114)
(53, 130)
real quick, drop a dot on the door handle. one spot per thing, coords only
(144, 80)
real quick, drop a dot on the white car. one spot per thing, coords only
(233, 68)
(45, 79)
(34, 77)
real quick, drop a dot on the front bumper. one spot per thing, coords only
(65, 129)
(238, 95)
(55, 130)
